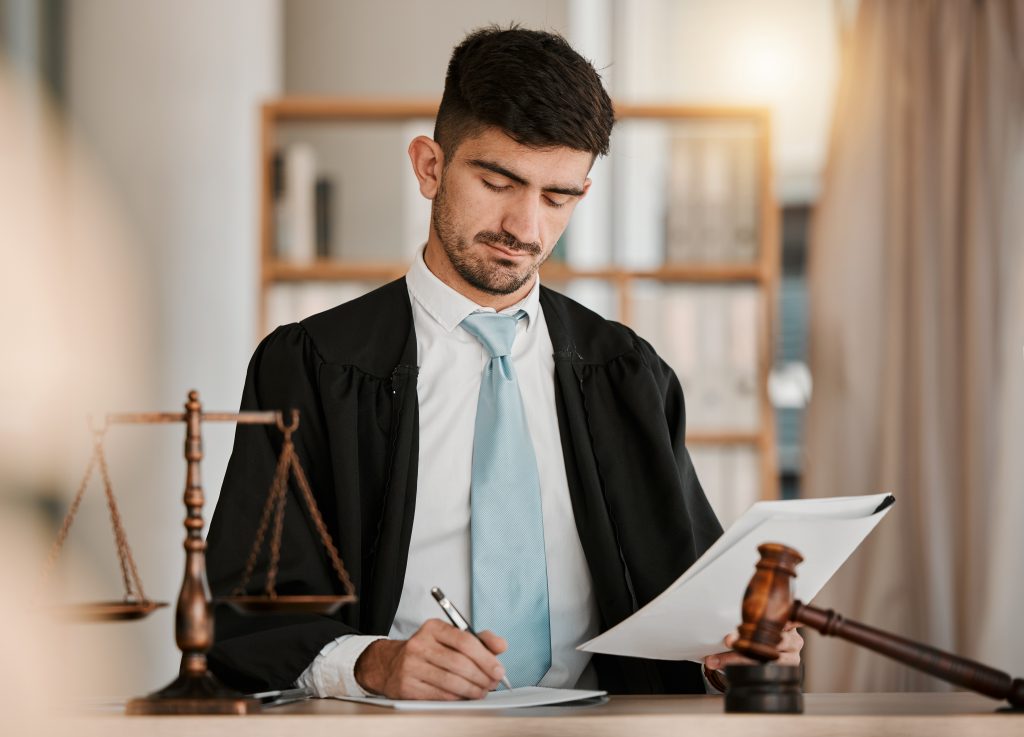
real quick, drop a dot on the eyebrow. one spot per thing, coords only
(499, 169)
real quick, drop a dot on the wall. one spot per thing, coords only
(782, 54)
(165, 97)
(390, 48)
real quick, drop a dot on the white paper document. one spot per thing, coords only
(517, 698)
(691, 617)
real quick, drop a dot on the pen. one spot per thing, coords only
(286, 696)
(459, 621)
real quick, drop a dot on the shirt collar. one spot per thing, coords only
(448, 307)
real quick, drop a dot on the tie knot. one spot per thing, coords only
(496, 332)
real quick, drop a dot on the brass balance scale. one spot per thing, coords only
(196, 690)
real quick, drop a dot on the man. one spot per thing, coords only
(466, 428)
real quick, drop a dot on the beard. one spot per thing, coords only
(494, 275)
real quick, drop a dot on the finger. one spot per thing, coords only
(431, 644)
(473, 649)
(454, 661)
(792, 642)
(730, 639)
(712, 661)
(788, 659)
(447, 681)
(789, 648)
(421, 690)
(721, 660)
(494, 643)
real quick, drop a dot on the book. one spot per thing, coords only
(297, 211)
(324, 230)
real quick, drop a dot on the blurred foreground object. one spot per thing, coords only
(67, 320)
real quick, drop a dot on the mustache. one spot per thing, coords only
(509, 241)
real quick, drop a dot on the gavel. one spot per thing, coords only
(768, 605)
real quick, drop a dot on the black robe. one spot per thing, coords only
(641, 514)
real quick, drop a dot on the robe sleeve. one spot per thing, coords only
(257, 652)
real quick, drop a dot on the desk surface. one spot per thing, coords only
(904, 714)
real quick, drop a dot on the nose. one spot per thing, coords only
(522, 218)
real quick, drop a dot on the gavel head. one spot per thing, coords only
(768, 602)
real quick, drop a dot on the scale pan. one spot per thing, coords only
(286, 604)
(108, 611)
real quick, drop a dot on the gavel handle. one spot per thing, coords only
(948, 667)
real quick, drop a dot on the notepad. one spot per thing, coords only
(517, 698)
(689, 620)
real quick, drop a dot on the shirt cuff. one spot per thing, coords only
(332, 672)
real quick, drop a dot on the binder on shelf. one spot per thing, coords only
(295, 207)
(682, 221)
(745, 219)
(708, 335)
(324, 197)
(713, 195)
(730, 476)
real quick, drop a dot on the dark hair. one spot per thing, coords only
(530, 84)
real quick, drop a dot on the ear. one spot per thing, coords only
(586, 188)
(427, 163)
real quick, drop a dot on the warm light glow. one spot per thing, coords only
(766, 65)
(780, 54)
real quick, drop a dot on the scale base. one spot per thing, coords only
(190, 694)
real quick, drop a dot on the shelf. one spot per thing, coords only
(683, 273)
(277, 271)
(331, 109)
(724, 438)
(623, 290)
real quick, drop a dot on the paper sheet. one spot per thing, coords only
(517, 698)
(691, 617)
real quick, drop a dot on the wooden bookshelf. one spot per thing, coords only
(763, 273)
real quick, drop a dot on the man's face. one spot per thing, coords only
(501, 207)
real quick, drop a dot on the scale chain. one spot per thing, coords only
(321, 528)
(281, 484)
(129, 572)
(287, 461)
(69, 518)
(275, 488)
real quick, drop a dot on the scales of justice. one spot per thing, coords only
(196, 690)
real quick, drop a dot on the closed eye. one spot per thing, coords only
(495, 187)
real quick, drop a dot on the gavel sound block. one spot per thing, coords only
(768, 605)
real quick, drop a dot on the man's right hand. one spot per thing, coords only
(438, 662)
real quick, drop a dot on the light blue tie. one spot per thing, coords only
(510, 580)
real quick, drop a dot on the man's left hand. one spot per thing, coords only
(789, 650)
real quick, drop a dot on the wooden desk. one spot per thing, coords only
(903, 714)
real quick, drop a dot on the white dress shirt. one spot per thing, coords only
(451, 364)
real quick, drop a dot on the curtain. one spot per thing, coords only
(916, 276)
